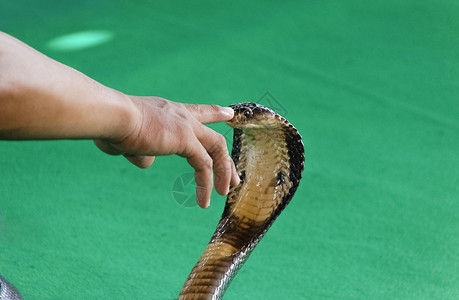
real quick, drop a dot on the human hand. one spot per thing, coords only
(42, 99)
(163, 127)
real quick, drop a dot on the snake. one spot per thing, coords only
(268, 154)
(8, 291)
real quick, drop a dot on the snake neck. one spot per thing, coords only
(269, 163)
(263, 165)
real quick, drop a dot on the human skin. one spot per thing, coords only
(42, 99)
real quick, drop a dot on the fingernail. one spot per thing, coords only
(200, 197)
(238, 180)
(228, 111)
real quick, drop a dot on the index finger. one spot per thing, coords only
(210, 113)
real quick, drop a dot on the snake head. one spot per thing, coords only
(252, 115)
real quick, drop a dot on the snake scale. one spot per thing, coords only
(269, 157)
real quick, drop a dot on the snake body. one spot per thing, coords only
(269, 157)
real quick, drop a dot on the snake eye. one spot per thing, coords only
(248, 113)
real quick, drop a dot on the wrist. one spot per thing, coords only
(122, 119)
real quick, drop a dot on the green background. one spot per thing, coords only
(372, 87)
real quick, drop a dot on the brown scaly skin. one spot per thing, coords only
(269, 157)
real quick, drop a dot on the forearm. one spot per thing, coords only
(43, 99)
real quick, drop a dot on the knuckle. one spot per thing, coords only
(223, 168)
(219, 145)
(192, 107)
(216, 108)
(221, 139)
(207, 162)
(204, 162)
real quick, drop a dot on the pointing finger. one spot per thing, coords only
(210, 113)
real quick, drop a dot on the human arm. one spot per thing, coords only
(43, 99)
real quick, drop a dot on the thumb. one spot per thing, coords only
(107, 147)
(142, 162)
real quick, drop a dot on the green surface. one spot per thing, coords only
(373, 88)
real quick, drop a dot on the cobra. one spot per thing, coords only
(269, 157)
